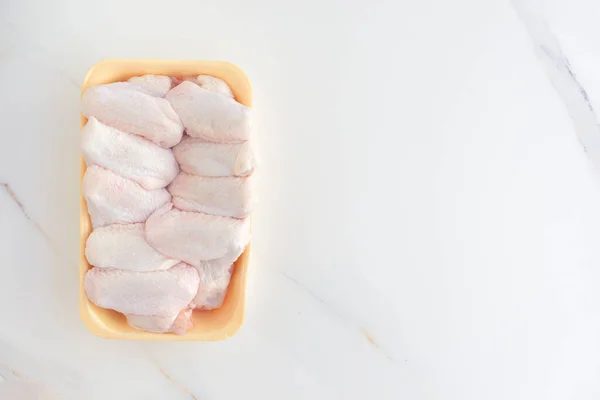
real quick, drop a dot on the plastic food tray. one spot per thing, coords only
(208, 325)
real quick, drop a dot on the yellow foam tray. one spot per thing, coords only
(208, 325)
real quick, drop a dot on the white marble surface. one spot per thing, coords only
(429, 222)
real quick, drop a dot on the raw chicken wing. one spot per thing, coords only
(193, 237)
(214, 279)
(158, 85)
(113, 199)
(179, 323)
(198, 157)
(225, 196)
(156, 293)
(207, 82)
(124, 247)
(213, 84)
(128, 155)
(130, 108)
(208, 115)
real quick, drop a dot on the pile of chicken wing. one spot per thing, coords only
(169, 192)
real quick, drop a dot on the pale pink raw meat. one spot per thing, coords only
(156, 293)
(213, 84)
(214, 280)
(179, 323)
(194, 237)
(128, 155)
(125, 247)
(157, 85)
(199, 157)
(207, 82)
(113, 199)
(226, 196)
(132, 109)
(157, 257)
(208, 115)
